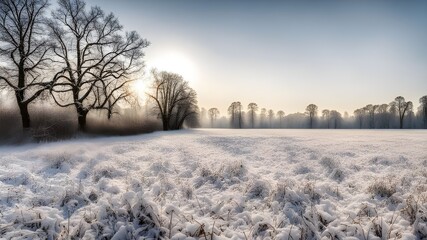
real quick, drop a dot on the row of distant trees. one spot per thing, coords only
(397, 114)
(80, 57)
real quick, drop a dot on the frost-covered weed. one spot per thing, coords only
(187, 191)
(257, 189)
(309, 189)
(106, 172)
(384, 187)
(263, 230)
(226, 174)
(158, 167)
(329, 163)
(16, 179)
(333, 167)
(367, 210)
(58, 163)
(302, 170)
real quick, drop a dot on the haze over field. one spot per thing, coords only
(286, 54)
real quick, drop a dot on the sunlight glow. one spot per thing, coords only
(176, 62)
(140, 87)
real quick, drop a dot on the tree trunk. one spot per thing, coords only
(82, 114)
(25, 116)
(23, 109)
(165, 124)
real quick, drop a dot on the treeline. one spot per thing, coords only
(397, 114)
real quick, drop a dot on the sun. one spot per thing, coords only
(170, 61)
(176, 62)
(139, 88)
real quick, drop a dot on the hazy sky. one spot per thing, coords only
(285, 55)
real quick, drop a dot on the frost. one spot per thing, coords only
(220, 184)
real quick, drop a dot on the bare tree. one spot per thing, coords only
(359, 115)
(311, 111)
(175, 101)
(23, 51)
(281, 115)
(97, 59)
(252, 108)
(371, 110)
(213, 115)
(423, 110)
(336, 118)
(263, 116)
(271, 117)
(402, 107)
(235, 110)
(326, 116)
(382, 112)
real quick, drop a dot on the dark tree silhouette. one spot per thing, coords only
(383, 114)
(24, 51)
(311, 111)
(281, 115)
(252, 108)
(271, 117)
(402, 108)
(235, 110)
(359, 115)
(213, 115)
(423, 110)
(96, 58)
(371, 110)
(336, 118)
(326, 116)
(175, 101)
(263, 116)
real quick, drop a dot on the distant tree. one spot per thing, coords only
(371, 110)
(263, 116)
(175, 101)
(281, 115)
(382, 112)
(96, 59)
(311, 111)
(402, 107)
(410, 116)
(336, 118)
(423, 110)
(203, 114)
(213, 115)
(252, 108)
(346, 115)
(326, 116)
(359, 115)
(24, 51)
(235, 110)
(271, 117)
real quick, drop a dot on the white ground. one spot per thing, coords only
(253, 184)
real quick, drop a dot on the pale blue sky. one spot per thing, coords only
(285, 55)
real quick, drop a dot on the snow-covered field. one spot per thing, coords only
(238, 184)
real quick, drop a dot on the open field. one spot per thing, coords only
(238, 184)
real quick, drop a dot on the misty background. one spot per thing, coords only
(328, 64)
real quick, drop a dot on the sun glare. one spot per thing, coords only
(140, 87)
(170, 61)
(175, 62)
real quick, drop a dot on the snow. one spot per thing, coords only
(230, 184)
